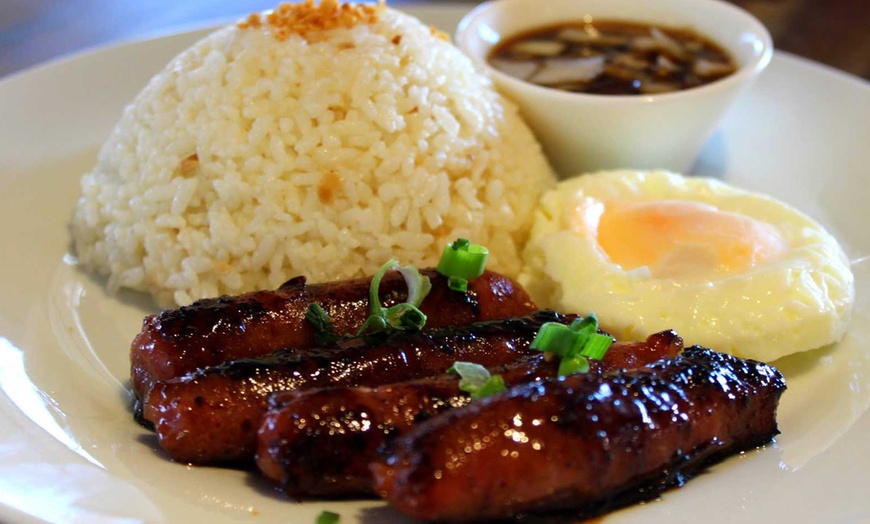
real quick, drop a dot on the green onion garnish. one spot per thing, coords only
(327, 517)
(460, 262)
(573, 344)
(324, 329)
(476, 379)
(597, 346)
(401, 317)
(573, 366)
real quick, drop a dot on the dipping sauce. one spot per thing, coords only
(612, 58)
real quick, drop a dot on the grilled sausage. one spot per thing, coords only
(213, 331)
(319, 443)
(584, 443)
(212, 415)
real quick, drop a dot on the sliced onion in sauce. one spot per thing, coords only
(668, 44)
(522, 70)
(666, 64)
(630, 61)
(538, 47)
(654, 45)
(564, 70)
(703, 67)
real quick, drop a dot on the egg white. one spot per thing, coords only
(799, 301)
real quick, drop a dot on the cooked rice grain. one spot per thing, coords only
(250, 160)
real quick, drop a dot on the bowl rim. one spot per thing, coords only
(744, 73)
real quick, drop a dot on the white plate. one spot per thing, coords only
(70, 452)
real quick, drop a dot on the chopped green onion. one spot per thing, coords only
(573, 344)
(558, 339)
(597, 346)
(401, 317)
(587, 324)
(460, 262)
(476, 380)
(491, 387)
(324, 329)
(573, 366)
(327, 517)
(457, 284)
(418, 285)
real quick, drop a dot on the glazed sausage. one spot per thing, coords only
(212, 415)
(582, 444)
(212, 331)
(319, 443)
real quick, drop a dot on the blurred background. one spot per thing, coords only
(832, 32)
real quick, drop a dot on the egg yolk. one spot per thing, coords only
(683, 239)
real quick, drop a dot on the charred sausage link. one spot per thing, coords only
(319, 443)
(213, 331)
(212, 415)
(582, 444)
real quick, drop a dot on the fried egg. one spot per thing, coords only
(726, 268)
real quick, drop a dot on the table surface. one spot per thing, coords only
(833, 32)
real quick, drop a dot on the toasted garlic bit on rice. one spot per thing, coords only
(306, 18)
(249, 160)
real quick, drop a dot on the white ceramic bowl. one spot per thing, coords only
(587, 132)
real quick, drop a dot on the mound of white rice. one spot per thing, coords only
(258, 155)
